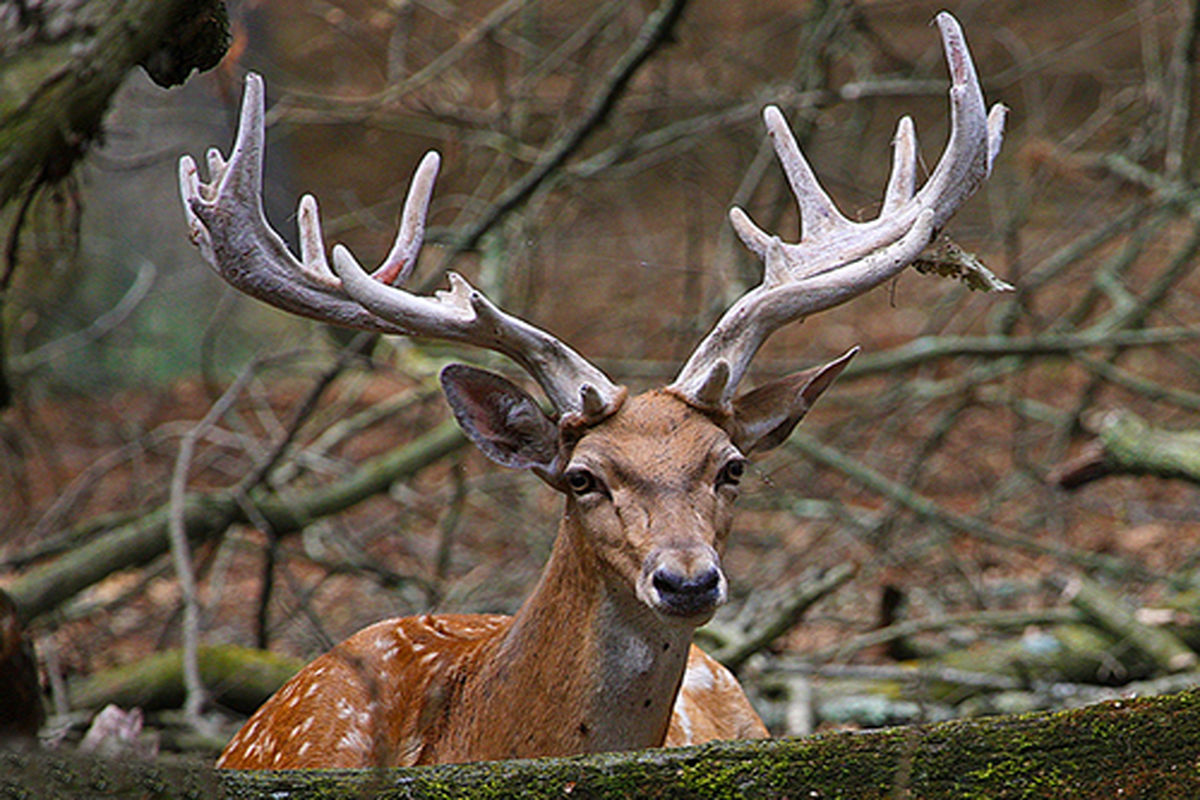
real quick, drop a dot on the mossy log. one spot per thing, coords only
(1129, 748)
(62, 62)
(1125, 444)
(137, 542)
(239, 678)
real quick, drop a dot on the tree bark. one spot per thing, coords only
(1144, 747)
(63, 59)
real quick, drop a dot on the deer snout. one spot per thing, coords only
(683, 583)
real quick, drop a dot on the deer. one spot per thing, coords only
(600, 656)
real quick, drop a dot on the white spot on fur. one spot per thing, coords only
(698, 677)
(344, 709)
(354, 740)
(636, 656)
(685, 722)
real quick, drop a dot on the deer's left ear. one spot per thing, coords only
(501, 419)
(764, 417)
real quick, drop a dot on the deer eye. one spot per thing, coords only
(731, 474)
(581, 481)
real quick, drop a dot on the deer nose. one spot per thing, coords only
(688, 595)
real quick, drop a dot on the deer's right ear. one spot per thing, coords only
(765, 417)
(503, 421)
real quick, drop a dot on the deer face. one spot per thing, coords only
(650, 488)
(653, 488)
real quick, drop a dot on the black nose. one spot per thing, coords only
(684, 595)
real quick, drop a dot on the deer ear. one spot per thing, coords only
(764, 417)
(501, 419)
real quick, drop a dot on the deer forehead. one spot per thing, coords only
(654, 439)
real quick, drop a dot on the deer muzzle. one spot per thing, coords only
(683, 582)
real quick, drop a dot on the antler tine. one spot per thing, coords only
(226, 221)
(836, 258)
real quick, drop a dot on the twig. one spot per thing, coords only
(1155, 392)
(930, 349)
(307, 406)
(45, 587)
(447, 528)
(100, 327)
(927, 509)
(180, 552)
(789, 610)
(1180, 79)
(654, 32)
(919, 673)
(927, 349)
(297, 104)
(983, 619)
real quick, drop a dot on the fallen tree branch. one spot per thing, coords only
(1109, 614)
(205, 516)
(1125, 444)
(239, 678)
(903, 630)
(733, 648)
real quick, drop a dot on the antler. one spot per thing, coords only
(837, 259)
(226, 221)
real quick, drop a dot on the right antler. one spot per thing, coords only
(226, 221)
(837, 259)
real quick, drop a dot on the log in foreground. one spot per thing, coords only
(1142, 747)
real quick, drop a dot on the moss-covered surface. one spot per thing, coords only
(239, 678)
(1137, 748)
(41, 776)
(54, 94)
(1144, 748)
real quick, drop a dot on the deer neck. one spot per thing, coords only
(584, 667)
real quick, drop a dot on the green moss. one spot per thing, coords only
(1134, 748)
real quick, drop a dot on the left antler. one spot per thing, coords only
(226, 221)
(837, 259)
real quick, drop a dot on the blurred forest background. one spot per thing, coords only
(995, 508)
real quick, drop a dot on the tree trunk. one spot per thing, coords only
(63, 59)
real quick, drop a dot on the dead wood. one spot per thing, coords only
(238, 678)
(44, 588)
(1125, 444)
(64, 61)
